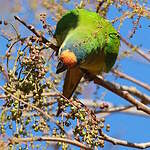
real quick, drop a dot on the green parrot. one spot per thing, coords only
(88, 44)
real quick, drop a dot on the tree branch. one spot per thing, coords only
(121, 109)
(141, 53)
(99, 6)
(127, 77)
(124, 143)
(29, 105)
(115, 109)
(32, 29)
(48, 138)
(145, 99)
(115, 88)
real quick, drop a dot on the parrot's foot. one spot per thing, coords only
(89, 77)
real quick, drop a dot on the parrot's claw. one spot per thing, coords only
(88, 77)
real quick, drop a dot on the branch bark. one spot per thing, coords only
(115, 88)
(125, 143)
(127, 77)
(48, 138)
(140, 52)
(32, 29)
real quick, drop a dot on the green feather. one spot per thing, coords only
(93, 40)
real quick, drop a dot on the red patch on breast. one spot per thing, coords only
(68, 58)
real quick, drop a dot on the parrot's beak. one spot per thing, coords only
(61, 67)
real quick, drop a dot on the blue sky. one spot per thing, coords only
(123, 126)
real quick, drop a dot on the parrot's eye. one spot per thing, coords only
(114, 35)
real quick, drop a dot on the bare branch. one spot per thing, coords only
(115, 88)
(47, 138)
(114, 109)
(99, 5)
(132, 90)
(121, 109)
(124, 143)
(125, 76)
(32, 29)
(141, 53)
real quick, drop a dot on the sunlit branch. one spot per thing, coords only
(138, 50)
(125, 143)
(127, 77)
(33, 30)
(116, 88)
(48, 138)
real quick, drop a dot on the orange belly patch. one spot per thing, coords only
(68, 58)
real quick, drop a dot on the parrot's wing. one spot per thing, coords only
(73, 77)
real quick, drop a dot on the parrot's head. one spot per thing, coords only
(67, 59)
(70, 53)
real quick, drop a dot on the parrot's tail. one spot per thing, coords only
(73, 77)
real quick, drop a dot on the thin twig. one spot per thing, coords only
(115, 88)
(121, 109)
(136, 7)
(99, 6)
(114, 109)
(124, 143)
(4, 72)
(35, 108)
(45, 94)
(145, 99)
(29, 105)
(125, 76)
(33, 30)
(48, 138)
(9, 50)
(140, 52)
